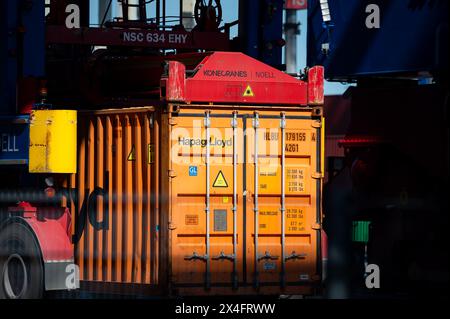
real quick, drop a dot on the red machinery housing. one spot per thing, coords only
(232, 77)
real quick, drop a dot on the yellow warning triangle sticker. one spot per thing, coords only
(131, 155)
(220, 180)
(248, 91)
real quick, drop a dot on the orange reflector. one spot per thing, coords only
(50, 192)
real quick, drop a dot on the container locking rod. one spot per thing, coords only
(235, 159)
(207, 124)
(283, 199)
(256, 208)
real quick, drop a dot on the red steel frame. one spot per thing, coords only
(233, 77)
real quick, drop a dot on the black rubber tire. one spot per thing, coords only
(21, 268)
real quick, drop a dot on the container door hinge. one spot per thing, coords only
(171, 173)
(172, 122)
(317, 111)
(317, 175)
(316, 124)
(316, 226)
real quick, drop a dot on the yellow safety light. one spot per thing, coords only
(53, 141)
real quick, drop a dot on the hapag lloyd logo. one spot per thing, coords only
(202, 142)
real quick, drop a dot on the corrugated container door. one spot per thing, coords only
(114, 197)
(214, 205)
(193, 202)
(286, 202)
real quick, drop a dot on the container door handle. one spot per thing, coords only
(223, 256)
(293, 255)
(267, 255)
(195, 256)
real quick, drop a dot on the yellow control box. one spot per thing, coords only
(53, 141)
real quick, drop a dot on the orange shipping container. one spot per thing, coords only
(216, 156)
(168, 201)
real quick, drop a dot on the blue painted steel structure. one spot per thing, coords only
(14, 139)
(22, 53)
(8, 63)
(261, 29)
(413, 37)
(33, 21)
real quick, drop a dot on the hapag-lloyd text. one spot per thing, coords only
(202, 142)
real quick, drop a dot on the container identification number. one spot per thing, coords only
(296, 136)
(292, 148)
(155, 37)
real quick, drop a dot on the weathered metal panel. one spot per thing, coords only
(116, 219)
(53, 141)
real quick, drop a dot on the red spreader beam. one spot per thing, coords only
(233, 77)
